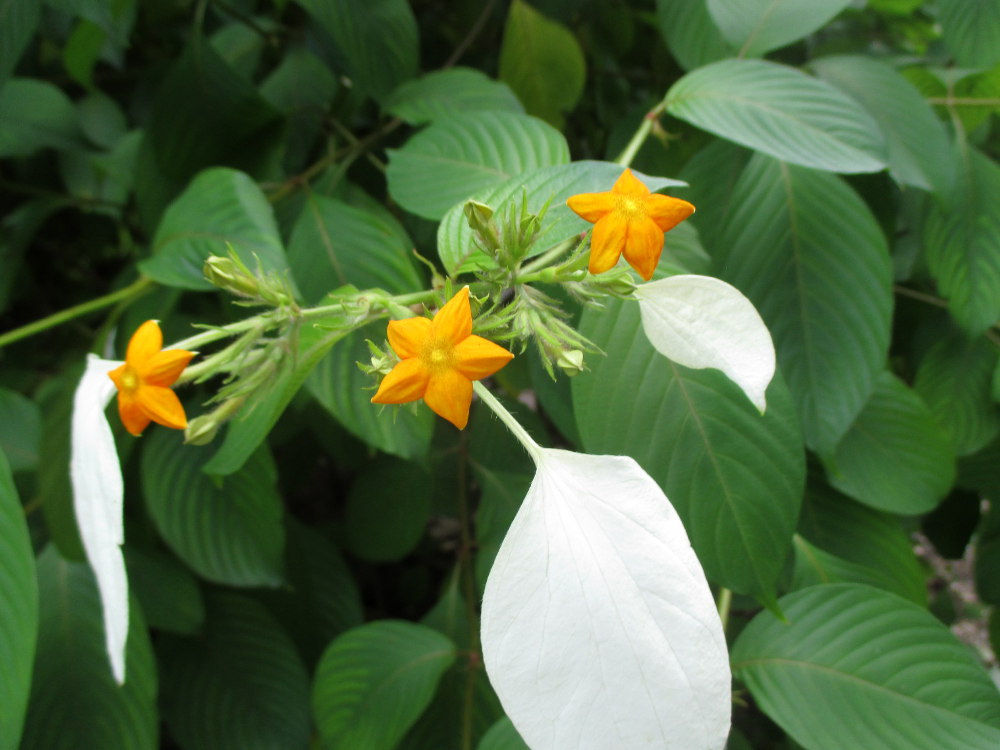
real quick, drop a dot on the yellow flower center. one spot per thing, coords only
(129, 380)
(630, 208)
(438, 355)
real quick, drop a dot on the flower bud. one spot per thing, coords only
(570, 361)
(480, 219)
(231, 275)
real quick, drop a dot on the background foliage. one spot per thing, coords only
(321, 588)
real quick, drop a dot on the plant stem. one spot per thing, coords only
(468, 583)
(133, 290)
(725, 602)
(533, 448)
(643, 131)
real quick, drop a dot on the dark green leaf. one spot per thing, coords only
(734, 476)
(971, 30)
(83, 48)
(446, 93)
(554, 185)
(18, 21)
(20, 429)
(229, 532)
(780, 111)
(987, 559)
(221, 208)
(894, 456)
(75, 702)
(19, 603)
(756, 27)
(888, 665)
(334, 244)
(35, 115)
(374, 681)
(954, 381)
(167, 591)
(919, 153)
(713, 172)
(962, 241)
(466, 155)
(502, 736)
(844, 541)
(809, 254)
(378, 40)
(542, 62)
(387, 510)
(241, 686)
(691, 33)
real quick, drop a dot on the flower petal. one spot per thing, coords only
(454, 321)
(163, 368)
(477, 357)
(96, 479)
(667, 212)
(131, 414)
(406, 382)
(407, 337)
(449, 395)
(630, 185)
(161, 405)
(592, 206)
(145, 342)
(598, 628)
(607, 242)
(644, 245)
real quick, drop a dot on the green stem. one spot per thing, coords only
(547, 257)
(725, 602)
(468, 583)
(643, 131)
(533, 448)
(135, 289)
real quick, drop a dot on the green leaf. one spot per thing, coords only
(334, 244)
(228, 533)
(466, 155)
(35, 115)
(809, 254)
(446, 93)
(18, 22)
(735, 477)
(240, 686)
(345, 392)
(919, 152)
(252, 424)
(962, 241)
(20, 429)
(971, 29)
(374, 681)
(755, 27)
(387, 510)
(166, 589)
(713, 172)
(894, 456)
(75, 702)
(844, 541)
(221, 207)
(19, 603)
(889, 665)
(82, 51)
(780, 111)
(552, 185)
(378, 40)
(502, 494)
(542, 62)
(691, 33)
(987, 558)
(954, 378)
(502, 736)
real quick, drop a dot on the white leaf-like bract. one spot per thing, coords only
(699, 321)
(599, 630)
(96, 476)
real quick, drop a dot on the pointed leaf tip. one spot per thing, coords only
(599, 629)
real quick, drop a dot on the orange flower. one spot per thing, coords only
(629, 220)
(144, 381)
(439, 360)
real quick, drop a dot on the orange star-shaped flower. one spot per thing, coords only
(629, 220)
(439, 360)
(144, 381)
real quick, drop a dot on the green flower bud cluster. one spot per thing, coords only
(257, 287)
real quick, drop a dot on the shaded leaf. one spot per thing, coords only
(35, 115)
(387, 509)
(756, 27)
(20, 429)
(18, 22)
(971, 30)
(691, 34)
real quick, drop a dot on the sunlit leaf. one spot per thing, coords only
(446, 93)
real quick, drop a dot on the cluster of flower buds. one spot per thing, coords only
(256, 287)
(510, 240)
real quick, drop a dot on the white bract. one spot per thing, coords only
(599, 630)
(699, 321)
(96, 476)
